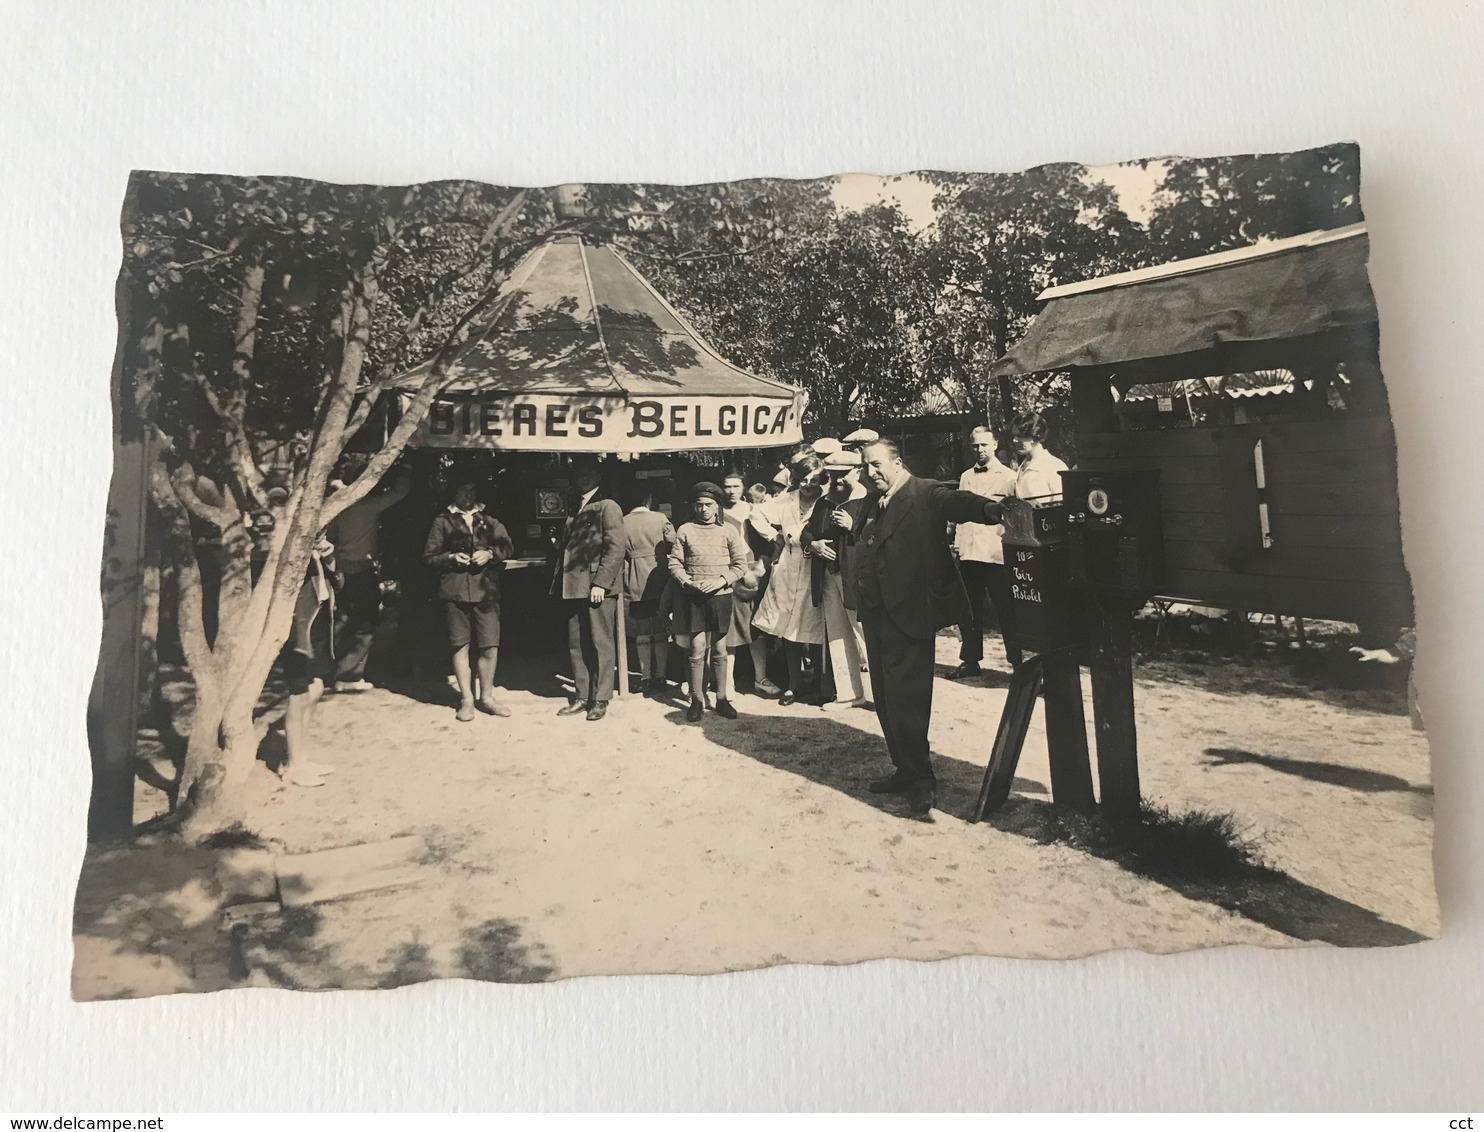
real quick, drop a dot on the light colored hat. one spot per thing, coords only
(826, 445)
(863, 436)
(783, 477)
(842, 461)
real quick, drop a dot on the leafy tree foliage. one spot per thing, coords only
(1216, 204)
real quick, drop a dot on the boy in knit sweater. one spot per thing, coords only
(707, 559)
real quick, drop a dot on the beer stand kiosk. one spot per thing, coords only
(583, 356)
(1292, 513)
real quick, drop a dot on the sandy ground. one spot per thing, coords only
(558, 847)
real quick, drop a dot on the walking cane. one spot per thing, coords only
(621, 688)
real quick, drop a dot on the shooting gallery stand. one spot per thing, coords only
(1079, 570)
(1264, 480)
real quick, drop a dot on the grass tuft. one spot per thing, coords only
(235, 836)
(1159, 843)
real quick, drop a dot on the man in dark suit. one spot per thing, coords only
(907, 588)
(588, 582)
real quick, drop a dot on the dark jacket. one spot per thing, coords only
(648, 537)
(821, 525)
(904, 568)
(450, 535)
(593, 550)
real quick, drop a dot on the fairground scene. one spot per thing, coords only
(521, 584)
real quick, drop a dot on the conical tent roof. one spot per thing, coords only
(578, 327)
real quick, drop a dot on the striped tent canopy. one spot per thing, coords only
(583, 354)
(1257, 383)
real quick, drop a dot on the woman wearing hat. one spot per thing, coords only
(787, 610)
(706, 561)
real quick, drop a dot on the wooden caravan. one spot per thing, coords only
(1275, 451)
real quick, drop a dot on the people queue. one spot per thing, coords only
(844, 562)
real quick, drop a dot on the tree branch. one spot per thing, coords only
(182, 481)
(738, 254)
(167, 499)
(439, 377)
(492, 232)
(232, 410)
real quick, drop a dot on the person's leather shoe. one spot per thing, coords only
(725, 709)
(576, 707)
(966, 671)
(892, 784)
(597, 711)
(696, 712)
(922, 796)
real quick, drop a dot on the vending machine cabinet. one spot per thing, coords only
(1114, 537)
(1046, 613)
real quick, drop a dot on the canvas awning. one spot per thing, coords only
(584, 355)
(1302, 287)
(1264, 383)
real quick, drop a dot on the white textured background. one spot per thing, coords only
(540, 93)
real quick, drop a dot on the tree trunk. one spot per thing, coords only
(230, 747)
(225, 735)
(202, 744)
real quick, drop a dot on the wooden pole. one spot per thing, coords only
(1015, 720)
(1113, 706)
(113, 703)
(1066, 734)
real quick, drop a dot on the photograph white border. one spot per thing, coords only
(525, 93)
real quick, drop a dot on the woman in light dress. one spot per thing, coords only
(1038, 478)
(787, 609)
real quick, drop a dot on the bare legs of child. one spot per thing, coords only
(298, 769)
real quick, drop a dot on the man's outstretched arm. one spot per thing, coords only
(956, 506)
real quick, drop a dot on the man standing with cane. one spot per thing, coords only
(908, 588)
(587, 580)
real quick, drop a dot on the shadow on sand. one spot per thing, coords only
(1350, 777)
(844, 757)
(291, 955)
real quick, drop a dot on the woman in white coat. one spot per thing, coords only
(787, 609)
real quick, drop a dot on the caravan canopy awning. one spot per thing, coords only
(1286, 289)
(584, 354)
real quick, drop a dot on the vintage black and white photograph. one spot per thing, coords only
(515, 584)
